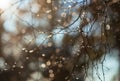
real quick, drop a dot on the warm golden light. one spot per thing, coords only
(4, 4)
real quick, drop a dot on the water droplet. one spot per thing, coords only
(23, 31)
(13, 66)
(43, 65)
(50, 71)
(76, 65)
(69, 6)
(51, 75)
(63, 14)
(55, 8)
(23, 49)
(48, 1)
(48, 11)
(31, 51)
(60, 65)
(19, 72)
(49, 16)
(49, 36)
(6, 64)
(5, 69)
(27, 58)
(84, 34)
(21, 67)
(83, 14)
(59, 20)
(50, 44)
(57, 50)
(48, 63)
(107, 27)
(77, 78)
(63, 58)
(43, 55)
(26, 51)
(38, 15)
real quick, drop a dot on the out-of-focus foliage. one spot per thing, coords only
(59, 40)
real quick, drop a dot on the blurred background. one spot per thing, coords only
(59, 40)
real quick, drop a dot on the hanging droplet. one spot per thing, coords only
(23, 49)
(49, 44)
(107, 27)
(43, 65)
(13, 66)
(6, 64)
(38, 15)
(49, 36)
(77, 78)
(60, 65)
(21, 67)
(50, 71)
(48, 1)
(49, 16)
(48, 11)
(19, 72)
(31, 51)
(63, 14)
(43, 55)
(48, 63)
(5, 69)
(51, 75)
(27, 58)
(69, 6)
